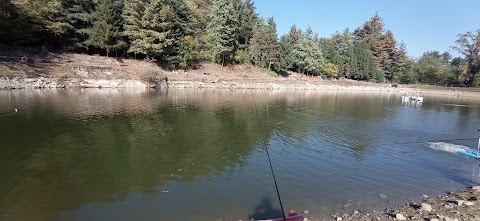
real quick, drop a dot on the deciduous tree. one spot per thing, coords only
(468, 44)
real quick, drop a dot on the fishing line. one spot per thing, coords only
(268, 155)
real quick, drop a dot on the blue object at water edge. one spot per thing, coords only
(470, 153)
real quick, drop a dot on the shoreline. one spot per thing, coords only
(16, 83)
(69, 70)
(463, 204)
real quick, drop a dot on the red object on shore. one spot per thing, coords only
(292, 216)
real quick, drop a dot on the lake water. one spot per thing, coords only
(98, 154)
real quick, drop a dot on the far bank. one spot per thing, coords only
(84, 71)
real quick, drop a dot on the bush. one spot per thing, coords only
(241, 57)
(379, 76)
(331, 70)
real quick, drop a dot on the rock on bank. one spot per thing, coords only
(461, 205)
(41, 82)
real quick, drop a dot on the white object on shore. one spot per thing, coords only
(412, 98)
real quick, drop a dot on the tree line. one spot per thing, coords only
(183, 33)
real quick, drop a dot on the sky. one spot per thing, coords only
(423, 25)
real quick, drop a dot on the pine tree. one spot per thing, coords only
(264, 48)
(247, 20)
(271, 47)
(287, 43)
(149, 26)
(106, 32)
(388, 59)
(363, 63)
(403, 70)
(307, 54)
(182, 33)
(222, 29)
(78, 15)
(257, 44)
(381, 43)
(338, 51)
(200, 13)
(371, 33)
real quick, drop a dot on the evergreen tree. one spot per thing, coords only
(149, 26)
(200, 13)
(264, 47)
(223, 28)
(338, 50)
(257, 45)
(331, 51)
(363, 63)
(106, 32)
(272, 47)
(188, 55)
(372, 33)
(381, 43)
(286, 60)
(307, 54)
(78, 15)
(403, 69)
(247, 20)
(388, 59)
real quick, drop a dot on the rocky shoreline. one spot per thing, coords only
(456, 206)
(208, 83)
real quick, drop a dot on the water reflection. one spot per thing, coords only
(98, 154)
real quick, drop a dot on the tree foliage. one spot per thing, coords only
(44, 14)
(182, 33)
(468, 45)
(156, 28)
(78, 16)
(264, 47)
(223, 30)
(106, 32)
(15, 26)
(382, 45)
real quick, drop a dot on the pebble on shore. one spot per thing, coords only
(459, 205)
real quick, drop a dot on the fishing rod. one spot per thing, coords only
(268, 155)
(478, 146)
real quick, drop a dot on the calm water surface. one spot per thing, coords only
(197, 154)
